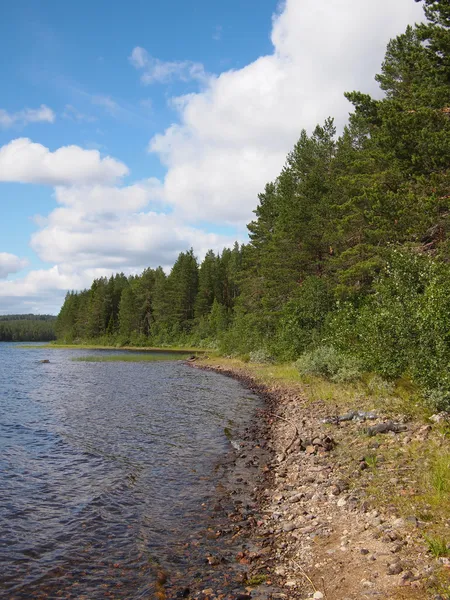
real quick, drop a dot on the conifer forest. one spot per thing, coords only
(347, 267)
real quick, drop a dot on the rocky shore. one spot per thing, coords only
(307, 522)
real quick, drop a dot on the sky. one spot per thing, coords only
(132, 131)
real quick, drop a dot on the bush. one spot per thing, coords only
(326, 361)
(260, 356)
(403, 328)
(302, 318)
(438, 399)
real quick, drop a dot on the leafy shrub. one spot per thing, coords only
(260, 356)
(326, 361)
(302, 318)
(438, 399)
(376, 385)
(403, 328)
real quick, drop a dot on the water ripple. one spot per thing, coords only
(103, 469)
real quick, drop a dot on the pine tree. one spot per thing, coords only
(207, 283)
(128, 316)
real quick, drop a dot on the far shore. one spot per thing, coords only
(168, 349)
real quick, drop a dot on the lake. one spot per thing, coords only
(107, 470)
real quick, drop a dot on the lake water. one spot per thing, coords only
(105, 470)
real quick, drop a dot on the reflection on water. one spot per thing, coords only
(104, 468)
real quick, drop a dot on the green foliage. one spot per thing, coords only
(302, 317)
(348, 263)
(27, 328)
(260, 356)
(326, 361)
(438, 547)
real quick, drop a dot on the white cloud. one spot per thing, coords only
(230, 139)
(42, 291)
(10, 263)
(234, 135)
(159, 71)
(24, 161)
(88, 231)
(109, 199)
(43, 114)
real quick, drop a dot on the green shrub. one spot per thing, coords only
(438, 399)
(403, 328)
(327, 361)
(302, 318)
(261, 356)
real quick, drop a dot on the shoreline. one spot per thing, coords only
(168, 349)
(330, 536)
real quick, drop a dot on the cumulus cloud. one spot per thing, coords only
(43, 114)
(86, 238)
(110, 199)
(10, 263)
(227, 142)
(43, 290)
(24, 161)
(159, 71)
(233, 136)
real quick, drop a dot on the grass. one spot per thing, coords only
(371, 461)
(404, 478)
(440, 476)
(371, 392)
(438, 547)
(132, 357)
(257, 580)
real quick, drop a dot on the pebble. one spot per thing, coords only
(398, 523)
(318, 596)
(395, 569)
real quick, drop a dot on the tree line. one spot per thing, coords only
(347, 264)
(27, 328)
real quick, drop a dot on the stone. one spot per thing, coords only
(341, 502)
(296, 498)
(364, 551)
(398, 523)
(440, 417)
(395, 569)
(318, 596)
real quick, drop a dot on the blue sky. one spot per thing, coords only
(131, 131)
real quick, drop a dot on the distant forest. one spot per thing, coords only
(347, 269)
(27, 328)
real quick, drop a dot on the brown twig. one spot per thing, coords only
(304, 575)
